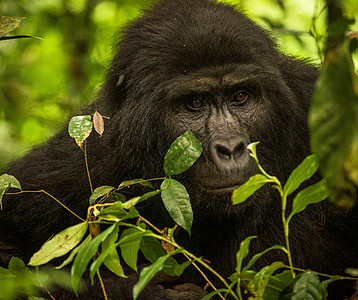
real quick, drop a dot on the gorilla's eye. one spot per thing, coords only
(194, 103)
(241, 96)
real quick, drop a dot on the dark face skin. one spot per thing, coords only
(225, 109)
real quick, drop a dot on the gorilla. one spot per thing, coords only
(198, 65)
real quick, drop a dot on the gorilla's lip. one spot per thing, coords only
(224, 190)
(221, 189)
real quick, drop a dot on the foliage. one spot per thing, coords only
(158, 246)
(334, 124)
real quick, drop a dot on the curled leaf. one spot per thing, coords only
(98, 123)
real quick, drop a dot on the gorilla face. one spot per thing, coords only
(218, 81)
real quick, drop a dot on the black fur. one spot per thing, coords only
(176, 52)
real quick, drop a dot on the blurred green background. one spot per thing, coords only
(42, 82)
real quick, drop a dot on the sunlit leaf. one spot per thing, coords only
(177, 202)
(80, 128)
(74, 252)
(6, 182)
(245, 190)
(312, 194)
(182, 154)
(128, 183)
(60, 244)
(303, 172)
(243, 252)
(258, 255)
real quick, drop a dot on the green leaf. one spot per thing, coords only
(333, 122)
(152, 250)
(245, 190)
(147, 274)
(128, 183)
(60, 244)
(100, 192)
(308, 287)
(74, 252)
(252, 148)
(85, 255)
(303, 172)
(109, 256)
(243, 252)
(212, 294)
(257, 256)
(79, 128)
(178, 270)
(262, 278)
(8, 24)
(117, 211)
(312, 194)
(130, 246)
(6, 182)
(177, 202)
(182, 154)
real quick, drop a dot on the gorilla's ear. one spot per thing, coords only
(300, 76)
(113, 90)
(120, 80)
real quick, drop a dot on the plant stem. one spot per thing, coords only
(102, 285)
(87, 169)
(204, 276)
(286, 227)
(54, 198)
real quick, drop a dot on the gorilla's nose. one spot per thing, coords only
(226, 150)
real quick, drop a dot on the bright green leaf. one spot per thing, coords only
(245, 190)
(79, 128)
(177, 202)
(85, 255)
(100, 192)
(74, 252)
(6, 182)
(130, 246)
(303, 172)
(243, 252)
(60, 244)
(128, 183)
(182, 154)
(258, 255)
(312, 194)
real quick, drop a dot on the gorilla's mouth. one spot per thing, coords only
(222, 189)
(219, 187)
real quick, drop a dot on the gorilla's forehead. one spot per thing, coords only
(218, 79)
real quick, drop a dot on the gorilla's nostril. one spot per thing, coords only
(223, 151)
